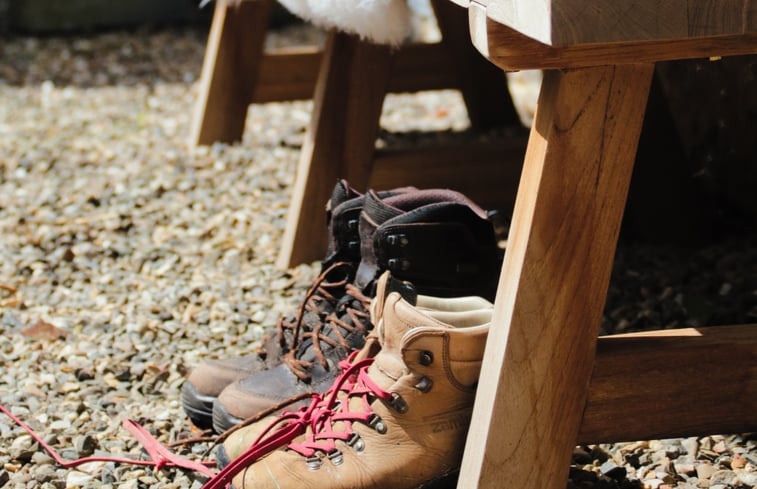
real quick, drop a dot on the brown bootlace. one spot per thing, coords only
(316, 295)
(356, 317)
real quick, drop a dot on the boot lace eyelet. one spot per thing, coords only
(400, 240)
(314, 462)
(398, 265)
(398, 403)
(426, 358)
(424, 385)
(356, 442)
(377, 424)
(336, 456)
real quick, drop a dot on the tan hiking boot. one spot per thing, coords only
(396, 420)
(437, 239)
(449, 310)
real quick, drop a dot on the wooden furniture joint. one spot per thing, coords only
(550, 383)
(348, 81)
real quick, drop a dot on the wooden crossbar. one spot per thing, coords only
(673, 383)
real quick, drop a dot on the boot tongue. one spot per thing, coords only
(397, 319)
(375, 212)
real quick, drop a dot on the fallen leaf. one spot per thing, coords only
(11, 301)
(42, 330)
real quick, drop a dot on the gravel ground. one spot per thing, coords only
(127, 257)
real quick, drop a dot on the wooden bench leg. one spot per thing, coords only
(230, 68)
(482, 84)
(340, 141)
(554, 280)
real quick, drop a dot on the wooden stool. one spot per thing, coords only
(348, 82)
(550, 383)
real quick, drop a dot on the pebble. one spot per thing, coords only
(144, 257)
(85, 445)
(610, 469)
(45, 473)
(23, 448)
(42, 458)
(704, 470)
(77, 479)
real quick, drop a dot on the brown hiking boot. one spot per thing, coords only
(396, 420)
(438, 239)
(207, 380)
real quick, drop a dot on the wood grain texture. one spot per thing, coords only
(340, 140)
(674, 383)
(511, 50)
(750, 16)
(554, 279)
(230, 68)
(418, 67)
(533, 20)
(291, 73)
(492, 185)
(562, 23)
(483, 85)
(236, 71)
(286, 74)
(716, 18)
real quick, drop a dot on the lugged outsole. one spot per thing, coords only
(222, 458)
(199, 408)
(222, 420)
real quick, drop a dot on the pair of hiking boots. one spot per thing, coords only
(438, 240)
(405, 398)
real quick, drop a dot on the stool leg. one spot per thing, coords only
(554, 279)
(340, 141)
(483, 85)
(229, 70)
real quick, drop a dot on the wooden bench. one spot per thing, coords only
(549, 382)
(348, 81)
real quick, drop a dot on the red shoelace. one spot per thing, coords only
(160, 456)
(317, 294)
(320, 415)
(323, 436)
(353, 317)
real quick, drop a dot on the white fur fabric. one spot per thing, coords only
(379, 21)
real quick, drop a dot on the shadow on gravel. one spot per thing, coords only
(114, 58)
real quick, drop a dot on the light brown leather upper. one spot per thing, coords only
(419, 445)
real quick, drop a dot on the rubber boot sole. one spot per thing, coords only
(222, 420)
(199, 408)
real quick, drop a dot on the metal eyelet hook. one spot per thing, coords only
(426, 358)
(377, 424)
(398, 403)
(424, 385)
(336, 456)
(356, 442)
(314, 462)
